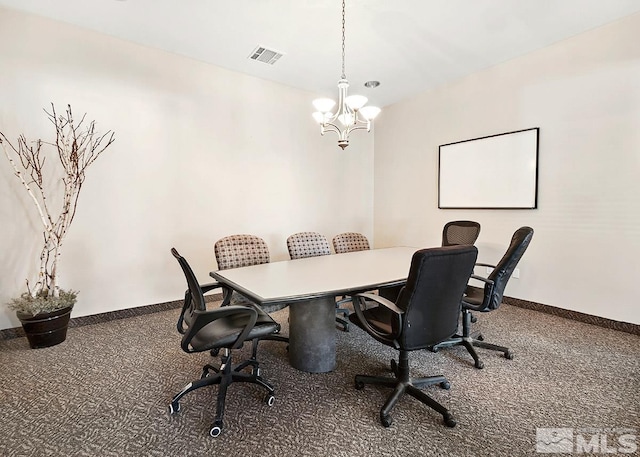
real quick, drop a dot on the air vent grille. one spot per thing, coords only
(262, 54)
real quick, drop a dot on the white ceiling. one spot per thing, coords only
(408, 45)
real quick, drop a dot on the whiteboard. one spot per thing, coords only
(492, 172)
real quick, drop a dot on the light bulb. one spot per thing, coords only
(318, 116)
(323, 104)
(346, 118)
(355, 102)
(370, 112)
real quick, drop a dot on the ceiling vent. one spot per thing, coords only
(262, 54)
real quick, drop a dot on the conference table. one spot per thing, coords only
(309, 286)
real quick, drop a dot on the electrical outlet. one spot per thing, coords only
(516, 273)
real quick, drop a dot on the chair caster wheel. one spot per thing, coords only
(215, 352)
(359, 385)
(479, 364)
(174, 408)
(449, 421)
(215, 431)
(269, 399)
(480, 338)
(446, 385)
(474, 319)
(434, 348)
(508, 355)
(386, 420)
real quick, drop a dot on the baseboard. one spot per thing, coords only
(17, 332)
(627, 327)
(575, 315)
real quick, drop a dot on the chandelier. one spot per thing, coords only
(351, 113)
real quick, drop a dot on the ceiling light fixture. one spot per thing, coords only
(351, 113)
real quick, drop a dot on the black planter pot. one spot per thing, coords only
(46, 329)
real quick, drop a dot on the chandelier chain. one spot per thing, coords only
(343, 72)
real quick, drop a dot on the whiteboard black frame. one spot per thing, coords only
(489, 168)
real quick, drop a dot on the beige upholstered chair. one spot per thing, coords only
(237, 251)
(313, 244)
(307, 244)
(350, 242)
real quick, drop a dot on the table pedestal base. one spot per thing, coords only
(312, 335)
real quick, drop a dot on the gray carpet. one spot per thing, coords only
(105, 392)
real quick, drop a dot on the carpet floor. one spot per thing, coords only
(105, 391)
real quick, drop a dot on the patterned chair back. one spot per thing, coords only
(350, 242)
(237, 251)
(307, 244)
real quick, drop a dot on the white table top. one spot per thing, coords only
(316, 277)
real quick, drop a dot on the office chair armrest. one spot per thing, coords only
(482, 278)
(488, 292)
(479, 264)
(209, 287)
(389, 338)
(382, 301)
(204, 318)
(227, 293)
(187, 302)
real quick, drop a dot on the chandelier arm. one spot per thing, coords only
(330, 127)
(366, 126)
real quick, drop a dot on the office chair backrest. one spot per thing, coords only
(460, 232)
(350, 242)
(194, 298)
(504, 269)
(307, 244)
(237, 251)
(433, 293)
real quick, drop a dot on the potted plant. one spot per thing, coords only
(54, 186)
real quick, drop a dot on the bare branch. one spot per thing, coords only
(77, 146)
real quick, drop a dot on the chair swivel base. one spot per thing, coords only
(470, 343)
(224, 376)
(343, 323)
(402, 384)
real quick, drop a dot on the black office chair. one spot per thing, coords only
(226, 328)
(489, 298)
(426, 312)
(312, 244)
(460, 232)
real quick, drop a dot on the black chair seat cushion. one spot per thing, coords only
(379, 317)
(223, 332)
(473, 298)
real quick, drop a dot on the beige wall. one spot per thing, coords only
(584, 94)
(200, 153)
